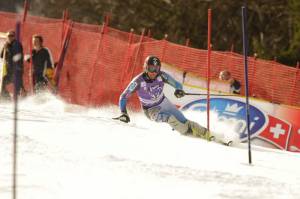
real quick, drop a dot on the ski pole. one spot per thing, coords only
(210, 94)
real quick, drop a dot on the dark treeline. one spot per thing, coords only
(273, 25)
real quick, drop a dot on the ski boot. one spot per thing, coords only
(199, 131)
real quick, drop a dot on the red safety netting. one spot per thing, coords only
(100, 61)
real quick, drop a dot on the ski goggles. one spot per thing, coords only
(153, 69)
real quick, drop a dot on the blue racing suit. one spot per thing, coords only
(150, 92)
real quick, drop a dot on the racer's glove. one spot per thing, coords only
(123, 118)
(179, 93)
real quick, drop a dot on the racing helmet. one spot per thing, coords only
(152, 64)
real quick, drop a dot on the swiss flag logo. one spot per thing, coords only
(277, 132)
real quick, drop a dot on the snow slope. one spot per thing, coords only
(67, 151)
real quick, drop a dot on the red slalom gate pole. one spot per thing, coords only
(26, 6)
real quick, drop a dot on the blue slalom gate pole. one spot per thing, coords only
(245, 49)
(16, 61)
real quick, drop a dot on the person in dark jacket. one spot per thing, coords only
(12, 55)
(235, 86)
(43, 67)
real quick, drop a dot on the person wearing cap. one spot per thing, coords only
(235, 86)
(157, 107)
(12, 55)
(43, 66)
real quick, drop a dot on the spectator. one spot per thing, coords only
(12, 54)
(43, 67)
(235, 86)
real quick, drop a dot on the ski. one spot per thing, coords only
(219, 141)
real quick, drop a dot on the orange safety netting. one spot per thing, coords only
(100, 61)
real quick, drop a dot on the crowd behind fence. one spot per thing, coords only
(100, 61)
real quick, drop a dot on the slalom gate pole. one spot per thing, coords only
(26, 6)
(208, 66)
(245, 49)
(31, 67)
(63, 52)
(16, 61)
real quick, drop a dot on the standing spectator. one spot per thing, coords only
(235, 86)
(12, 54)
(42, 64)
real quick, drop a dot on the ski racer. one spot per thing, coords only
(157, 107)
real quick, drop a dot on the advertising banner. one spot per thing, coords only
(274, 125)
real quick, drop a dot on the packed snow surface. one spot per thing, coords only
(68, 151)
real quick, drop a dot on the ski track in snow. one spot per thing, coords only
(68, 151)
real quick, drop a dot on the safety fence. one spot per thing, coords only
(97, 62)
